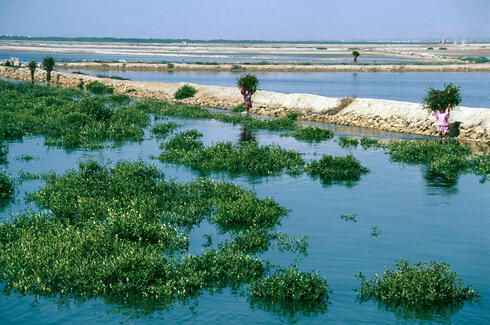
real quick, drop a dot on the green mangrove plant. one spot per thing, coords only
(421, 285)
(186, 91)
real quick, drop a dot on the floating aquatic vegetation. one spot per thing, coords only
(99, 88)
(68, 117)
(291, 285)
(250, 158)
(238, 108)
(25, 157)
(163, 129)
(375, 232)
(348, 217)
(423, 285)
(310, 134)
(367, 143)
(448, 159)
(336, 169)
(6, 185)
(116, 232)
(4, 150)
(345, 142)
(480, 165)
(185, 91)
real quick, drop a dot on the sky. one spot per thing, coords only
(281, 20)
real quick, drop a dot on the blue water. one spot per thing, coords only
(196, 57)
(402, 86)
(419, 217)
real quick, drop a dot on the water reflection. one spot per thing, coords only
(432, 314)
(292, 312)
(437, 184)
(246, 135)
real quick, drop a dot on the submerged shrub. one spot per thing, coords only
(310, 134)
(6, 185)
(370, 143)
(291, 285)
(336, 169)
(98, 88)
(425, 284)
(185, 91)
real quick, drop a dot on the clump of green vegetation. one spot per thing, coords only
(131, 90)
(291, 286)
(80, 72)
(6, 185)
(479, 59)
(425, 284)
(4, 150)
(367, 143)
(248, 82)
(25, 157)
(163, 129)
(436, 99)
(310, 134)
(163, 109)
(48, 66)
(345, 142)
(238, 108)
(348, 217)
(117, 232)
(170, 65)
(375, 232)
(480, 165)
(111, 77)
(444, 159)
(236, 68)
(250, 158)
(185, 91)
(32, 68)
(336, 169)
(99, 88)
(68, 117)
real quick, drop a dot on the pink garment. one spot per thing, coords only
(442, 120)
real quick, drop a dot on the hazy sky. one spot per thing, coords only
(252, 19)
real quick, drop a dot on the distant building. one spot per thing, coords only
(443, 41)
(14, 62)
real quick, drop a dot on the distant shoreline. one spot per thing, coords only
(250, 67)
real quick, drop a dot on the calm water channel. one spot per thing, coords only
(402, 86)
(419, 218)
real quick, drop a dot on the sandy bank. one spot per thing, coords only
(461, 67)
(381, 114)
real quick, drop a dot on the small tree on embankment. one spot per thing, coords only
(32, 67)
(48, 65)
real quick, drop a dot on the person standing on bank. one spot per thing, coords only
(442, 117)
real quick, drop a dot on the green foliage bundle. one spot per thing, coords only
(310, 134)
(291, 285)
(249, 82)
(444, 159)
(185, 91)
(98, 88)
(425, 284)
(68, 117)
(436, 99)
(6, 185)
(48, 65)
(250, 158)
(336, 169)
(163, 129)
